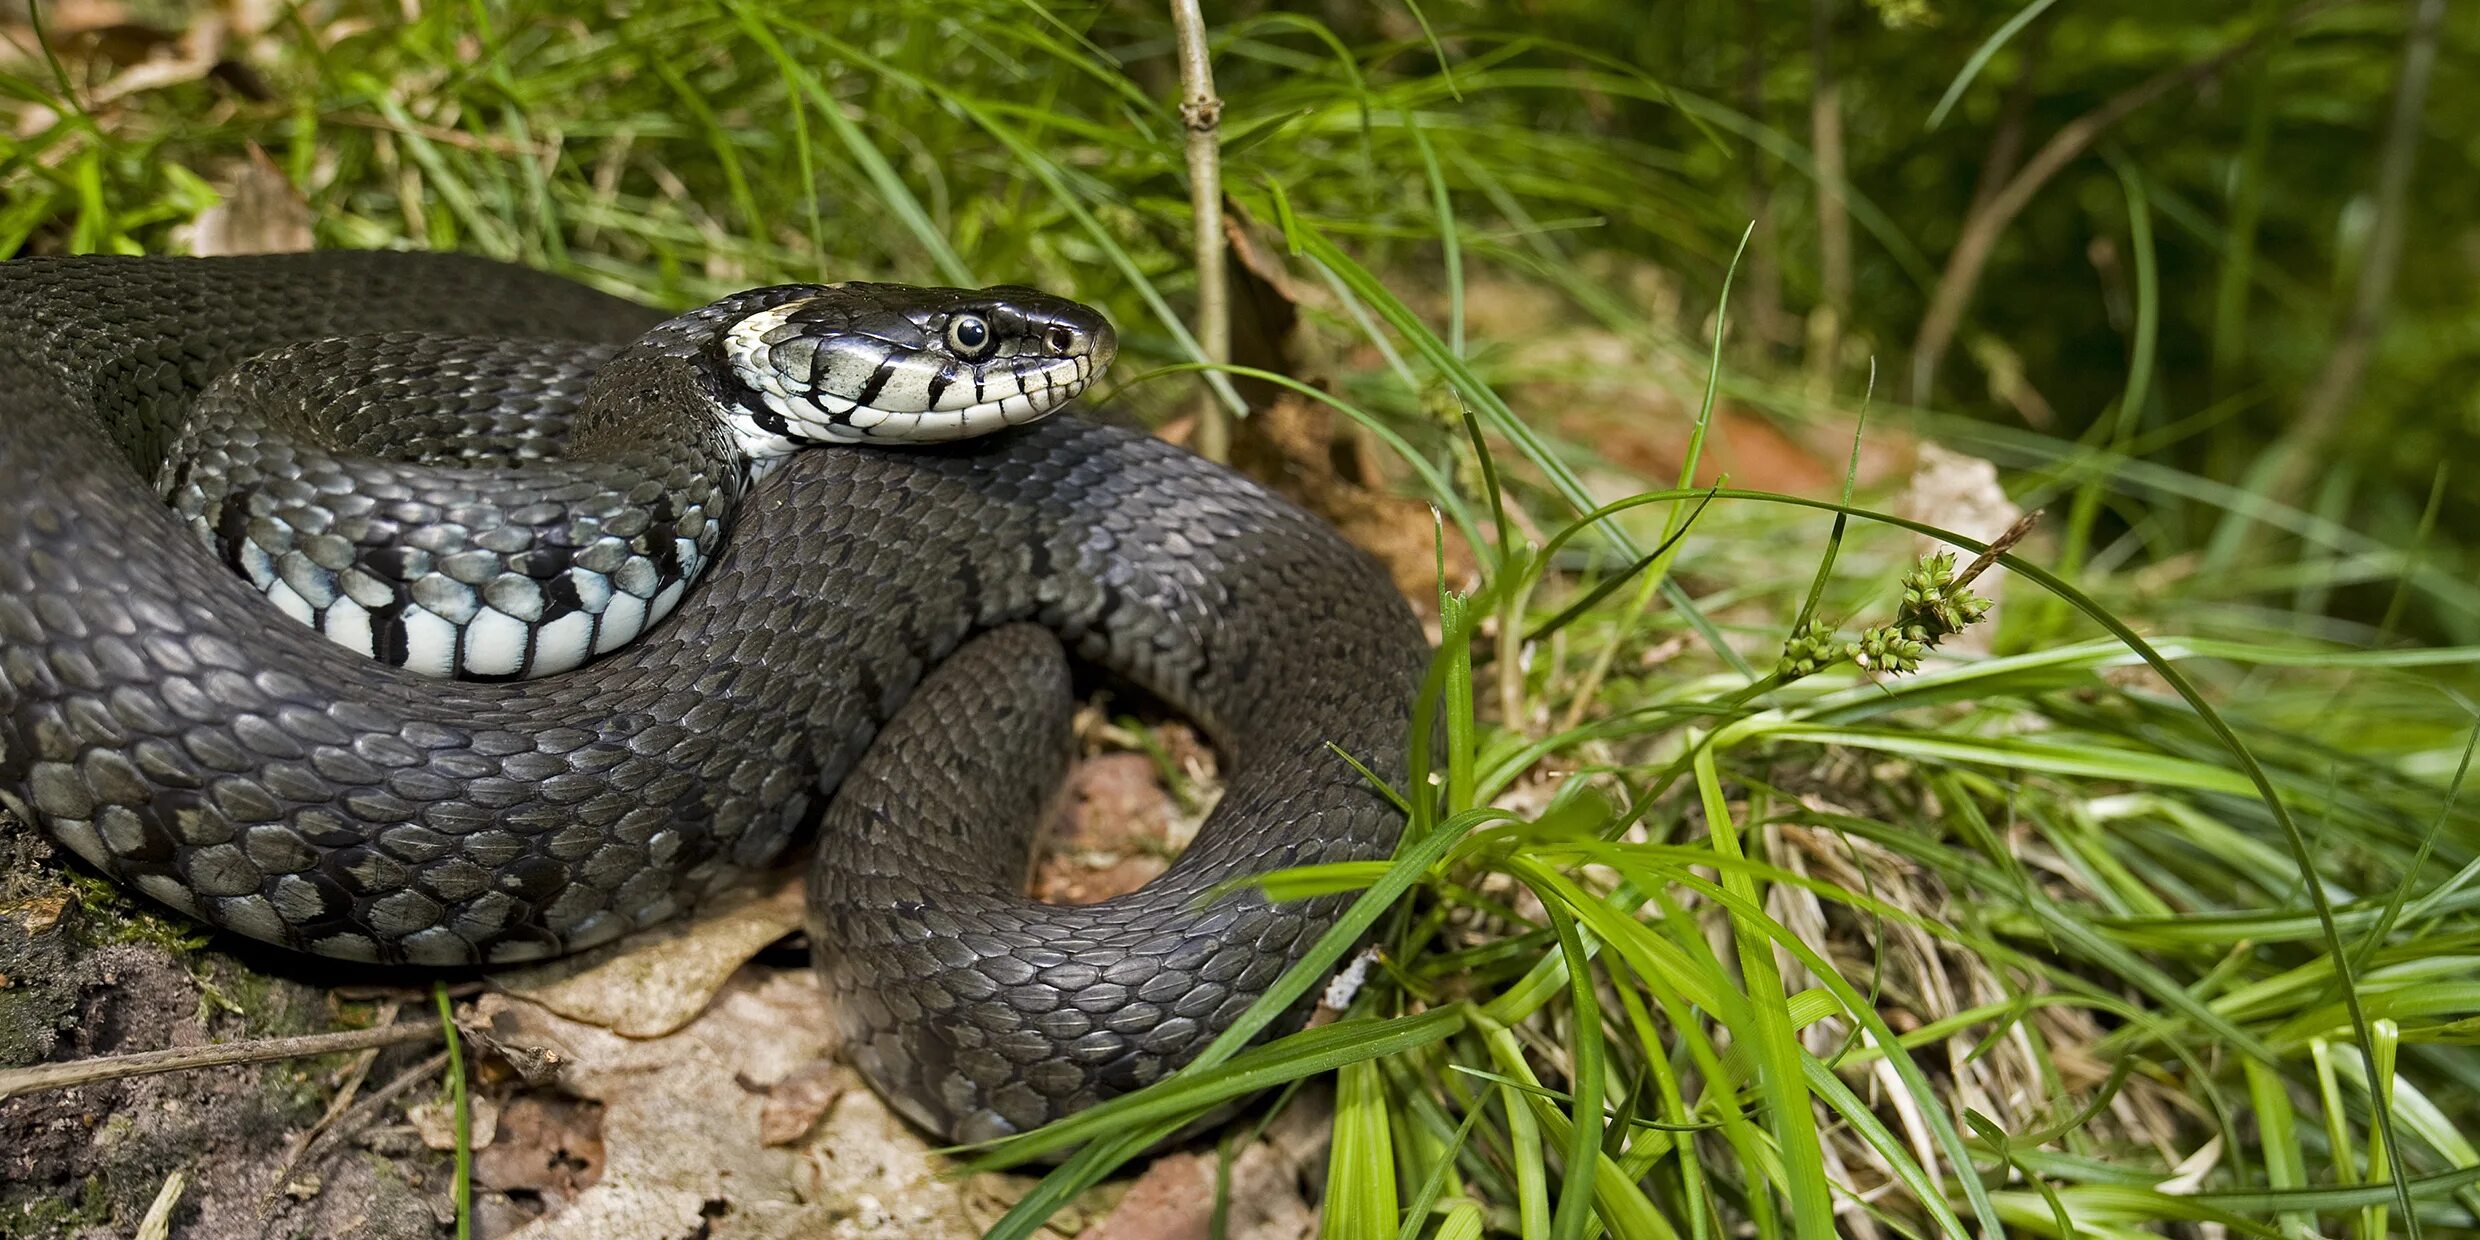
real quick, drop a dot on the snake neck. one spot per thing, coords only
(801, 365)
(679, 373)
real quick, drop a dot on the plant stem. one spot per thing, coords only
(1201, 112)
(463, 1106)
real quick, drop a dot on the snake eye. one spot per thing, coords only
(969, 336)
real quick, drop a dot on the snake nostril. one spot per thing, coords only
(1062, 339)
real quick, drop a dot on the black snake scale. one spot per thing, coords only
(369, 485)
(880, 621)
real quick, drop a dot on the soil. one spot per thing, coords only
(85, 972)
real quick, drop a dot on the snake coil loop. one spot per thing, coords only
(877, 650)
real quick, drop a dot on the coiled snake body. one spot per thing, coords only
(876, 648)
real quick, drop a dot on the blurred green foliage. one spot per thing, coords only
(718, 143)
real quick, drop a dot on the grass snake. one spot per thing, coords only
(878, 653)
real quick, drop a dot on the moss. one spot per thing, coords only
(295, 1091)
(267, 1007)
(37, 1214)
(112, 916)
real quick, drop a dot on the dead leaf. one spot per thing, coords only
(436, 1122)
(653, 982)
(190, 56)
(66, 18)
(684, 1125)
(547, 1144)
(799, 1101)
(679, 1133)
(1174, 1198)
(1265, 313)
(869, 1174)
(38, 914)
(262, 213)
(1295, 446)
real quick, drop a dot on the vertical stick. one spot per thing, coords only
(1201, 111)
(1825, 123)
(2322, 413)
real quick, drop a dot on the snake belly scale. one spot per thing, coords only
(878, 648)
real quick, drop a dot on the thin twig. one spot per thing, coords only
(48, 1076)
(1201, 111)
(336, 1107)
(1981, 231)
(369, 1108)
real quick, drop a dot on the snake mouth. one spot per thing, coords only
(892, 364)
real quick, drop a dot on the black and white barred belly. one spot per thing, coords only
(494, 508)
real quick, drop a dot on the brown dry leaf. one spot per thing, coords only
(680, 1113)
(250, 17)
(548, 1145)
(799, 1101)
(866, 1173)
(435, 1122)
(1174, 1198)
(187, 57)
(652, 983)
(684, 1121)
(65, 20)
(1265, 314)
(1294, 446)
(261, 213)
(38, 914)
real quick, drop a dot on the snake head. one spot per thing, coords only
(893, 363)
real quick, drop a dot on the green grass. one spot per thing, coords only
(2097, 936)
